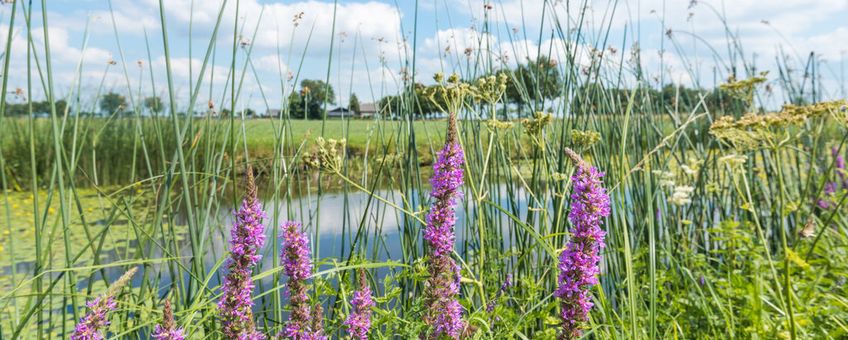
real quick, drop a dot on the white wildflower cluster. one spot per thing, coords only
(682, 195)
(676, 182)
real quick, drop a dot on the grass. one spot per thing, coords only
(706, 238)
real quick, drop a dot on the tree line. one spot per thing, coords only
(530, 85)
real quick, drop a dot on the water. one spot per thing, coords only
(332, 221)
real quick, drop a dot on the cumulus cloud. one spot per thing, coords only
(371, 51)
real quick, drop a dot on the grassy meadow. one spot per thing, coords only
(725, 220)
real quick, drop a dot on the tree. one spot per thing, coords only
(428, 99)
(353, 104)
(61, 107)
(112, 103)
(534, 82)
(316, 94)
(153, 104)
(296, 105)
(389, 106)
(22, 109)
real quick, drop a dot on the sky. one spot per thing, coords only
(371, 47)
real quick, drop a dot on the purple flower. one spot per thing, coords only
(91, 325)
(304, 321)
(359, 321)
(296, 255)
(160, 333)
(168, 330)
(828, 199)
(444, 313)
(839, 164)
(504, 286)
(829, 190)
(578, 263)
(248, 236)
(446, 181)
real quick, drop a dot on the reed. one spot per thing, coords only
(720, 224)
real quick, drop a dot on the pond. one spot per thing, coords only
(332, 220)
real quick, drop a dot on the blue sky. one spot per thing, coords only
(373, 42)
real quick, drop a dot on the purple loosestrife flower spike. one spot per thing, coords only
(92, 324)
(359, 321)
(248, 236)
(168, 330)
(304, 321)
(578, 263)
(444, 313)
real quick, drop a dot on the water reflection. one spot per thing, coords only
(333, 222)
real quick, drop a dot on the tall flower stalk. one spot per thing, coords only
(168, 329)
(93, 323)
(305, 321)
(359, 321)
(248, 236)
(578, 263)
(444, 313)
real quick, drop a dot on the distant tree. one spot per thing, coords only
(316, 94)
(153, 104)
(13, 109)
(534, 82)
(41, 107)
(61, 106)
(424, 100)
(296, 109)
(22, 109)
(389, 106)
(353, 104)
(428, 100)
(112, 103)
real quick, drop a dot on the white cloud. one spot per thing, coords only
(277, 26)
(374, 27)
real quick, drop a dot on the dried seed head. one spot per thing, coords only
(121, 282)
(250, 184)
(452, 129)
(578, 161)
(362, 281)
(168, 316)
